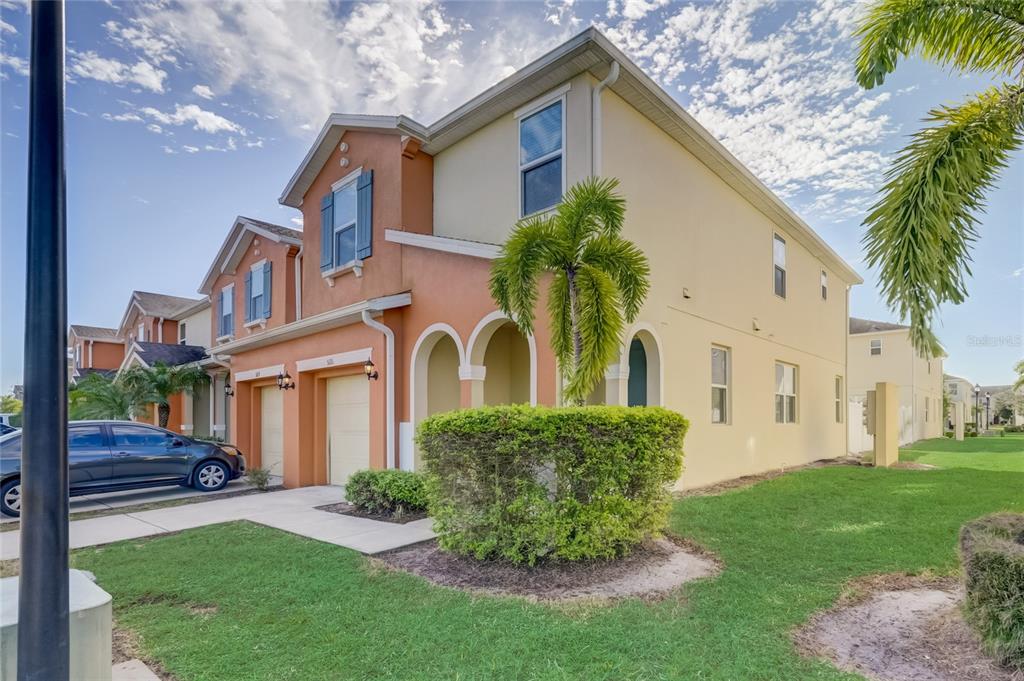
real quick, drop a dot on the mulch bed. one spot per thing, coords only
(901, 628)
(345, 508)
(652, 571)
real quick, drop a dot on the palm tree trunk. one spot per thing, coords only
(577, 339)
(164, 410)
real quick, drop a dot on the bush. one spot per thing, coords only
(1013, 429)
(527, 483)
(992, 552)
(387, 492)
(258, 478)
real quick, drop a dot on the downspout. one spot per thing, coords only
(298, 283)
(90, 353)
(389, 370)
(595, 123)
(160, 331)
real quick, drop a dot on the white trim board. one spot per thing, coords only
(475, 249)
(264, 372)
(340, 359)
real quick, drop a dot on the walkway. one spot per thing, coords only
(291, 510)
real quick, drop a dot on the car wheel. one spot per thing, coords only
(10, 498)
(211, 476)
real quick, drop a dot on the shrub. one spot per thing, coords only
(1013, 429)
(527, 483)
(992, 552)
(258, 478)
(387, 492)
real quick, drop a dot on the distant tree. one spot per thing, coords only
(598, 280)
(158, 383)
(9, 404)
(921, 231)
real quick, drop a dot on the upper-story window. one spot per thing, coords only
(181, 333)
(78, 355)
(876, 346)
(346, 222)
(226, 310)
(142, 332)
(779, 259)
(953, 387)
(257, 292)
(541, 174)
(824, 285)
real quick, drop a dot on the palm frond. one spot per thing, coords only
(528, 252)
(970, 35)
(589, 208)
(1019, 368)
(920, 231)
(561, 320)
(600, 327)
(626, 264)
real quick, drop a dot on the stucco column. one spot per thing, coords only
(887, 428)
(472, 377)
(188, 418)
(958, 420)
(616, 385)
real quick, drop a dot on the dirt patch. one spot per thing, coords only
(126, 647)
(10, 568)
(750, 480)
(913, 466)
(345, 508)
(895, 628)
(651, 572)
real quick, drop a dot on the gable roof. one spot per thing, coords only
(588, 51)
(157, 305)
(170, 354)
(870, 326)
(238, 239)
(99, 333)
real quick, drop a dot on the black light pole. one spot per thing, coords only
(977, 408)
(43, 588)
(988, 403)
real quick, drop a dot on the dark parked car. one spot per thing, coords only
(107, 456)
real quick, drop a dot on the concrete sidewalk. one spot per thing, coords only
(291, 510)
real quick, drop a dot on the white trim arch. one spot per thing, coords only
(418, 374)
(481, 336)
(655, 361)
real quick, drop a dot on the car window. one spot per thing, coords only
(85, 437)
(139, 436)
(10, 446)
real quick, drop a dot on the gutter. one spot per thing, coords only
(595, 119)
(298, 283)
(389, 369)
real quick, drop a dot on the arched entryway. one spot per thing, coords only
(642, 358)
(434, 380)
(507, 361)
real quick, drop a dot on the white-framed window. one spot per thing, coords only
(226, 324)
(78, 355)
(142, 332)
(953, 387)
(876, 346)
(785, 393)
(779, 262)
(541, 158)
(839, 399)
(345, 212)
(720, 370)
(824, 285)
(181, 333)
(256, 292)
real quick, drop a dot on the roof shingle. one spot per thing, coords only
(83, 331)
(169, 353)
(870, 326)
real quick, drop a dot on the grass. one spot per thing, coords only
(984, 453)
(243, 601)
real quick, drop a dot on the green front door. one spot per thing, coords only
(637, 393)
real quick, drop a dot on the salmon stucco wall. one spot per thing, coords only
(282, 303)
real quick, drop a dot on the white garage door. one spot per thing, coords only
(348, 427)
(272, 430)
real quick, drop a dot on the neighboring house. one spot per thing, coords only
(959, 390)
(93, 349)
(881, 351)
(154, 317)
(744, 331)
(996, 397)
(189, 414)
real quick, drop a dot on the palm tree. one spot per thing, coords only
(598, 279)
(156, 384)
(1019, 368)
(99, 397)
(921, 230)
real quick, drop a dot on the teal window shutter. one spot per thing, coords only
(248, 296)
(327, 232)
(266, 289)
(364, 216)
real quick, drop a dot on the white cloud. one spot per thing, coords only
(91, 65)
(201, 119)
(123, 117)
(140, 37)
(297, 222)
(153, 127)
(71, 109)
(190, 149)
(16, 64)
(7, 28)
(203, 91)
(169, 150)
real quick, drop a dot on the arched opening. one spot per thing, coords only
(643, 358)
(434, 381)
(507, 362)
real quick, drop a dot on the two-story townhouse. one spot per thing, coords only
(882, 351)
(393, 320)
(959, 390)
(93, 349)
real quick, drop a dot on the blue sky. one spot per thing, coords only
(183, 115)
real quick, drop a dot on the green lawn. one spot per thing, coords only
(986, 453)
(291, 608)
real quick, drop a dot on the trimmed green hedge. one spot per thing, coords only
(387, 492)
(528, 483)
(992, 552)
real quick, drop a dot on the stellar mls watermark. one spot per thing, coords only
(1012, 340)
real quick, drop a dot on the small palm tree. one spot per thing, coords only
(99, 397)
(156, 384)
(598, 280)
(921, 230)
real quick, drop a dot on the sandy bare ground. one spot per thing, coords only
(914, 633)
(652, 571)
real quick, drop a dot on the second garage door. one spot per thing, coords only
(348, 427)
(272, 430)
